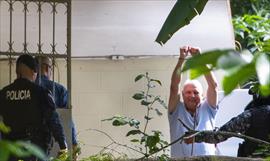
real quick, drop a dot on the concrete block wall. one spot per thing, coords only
(104, 88)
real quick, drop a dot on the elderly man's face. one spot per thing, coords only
(191, 96)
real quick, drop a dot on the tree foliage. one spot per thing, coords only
(17, 148)
(251, 31)
(176, 20)
(141, 140)
(250, 7)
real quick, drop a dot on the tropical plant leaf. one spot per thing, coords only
(20, 149)
(119, 122)
(235, 77)
(133, 132)
(139, 77)
(17, 150)
(157, 132)
(265, 90)
(155, 80)
(164, 157)
(32, 149)
(230, 60)
(205, 58)
(263, 69)
(4, 151)
(147, 118)
(138, 96)
(181, 14)
(134, 140)
(151, 141)
(247, 56)
(134, 122)
(263, 73)
(145, 103)
(196, 72)
(4, 128)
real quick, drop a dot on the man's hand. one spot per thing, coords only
(184, 52)
(189, 140)
(194, 50)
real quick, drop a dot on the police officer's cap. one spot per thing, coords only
(29, 61)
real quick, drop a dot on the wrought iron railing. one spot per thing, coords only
(30, 33)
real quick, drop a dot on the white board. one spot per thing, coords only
(229, 107)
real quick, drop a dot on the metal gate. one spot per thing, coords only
(38, 27)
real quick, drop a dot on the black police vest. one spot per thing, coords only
(259, 129)
(22, 111)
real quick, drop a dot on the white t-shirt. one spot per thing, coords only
(204, 120)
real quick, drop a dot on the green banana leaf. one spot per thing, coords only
(181, 14)
(235, 67)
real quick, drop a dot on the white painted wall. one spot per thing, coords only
(117, 27)
(103, 88)
(230, 106)
(130, 27)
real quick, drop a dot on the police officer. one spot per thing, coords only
(29, 110)
(253, 122)
(59, 92)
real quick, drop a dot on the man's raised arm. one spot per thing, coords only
(175, 80)
(211, 94)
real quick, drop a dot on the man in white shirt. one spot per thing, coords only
(194, 112)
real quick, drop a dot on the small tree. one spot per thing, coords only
(145, 143)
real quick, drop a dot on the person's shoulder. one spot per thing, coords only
(56, 84)
(60, 87)
(205, 104)
(40, 88)
(10, 86)
(46, 81)
(5, 88)
(180, 106)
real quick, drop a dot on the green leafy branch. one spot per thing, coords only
(181, 15)
(150, 141)
(18, 148)
(238, 68)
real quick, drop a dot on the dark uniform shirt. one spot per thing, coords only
(60, 95)
(239, 124)
(29, 110)
(252, 122)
